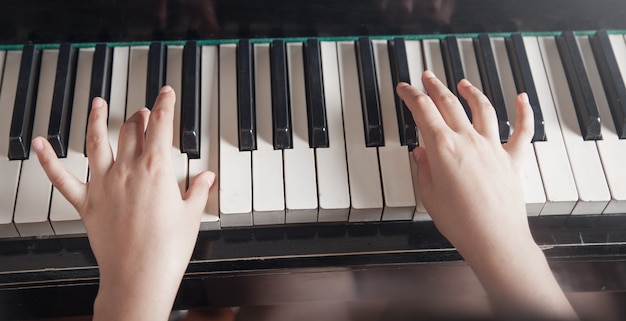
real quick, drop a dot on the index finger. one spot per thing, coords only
(426, 115)
(159, 133)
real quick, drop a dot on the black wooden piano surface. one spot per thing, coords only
(58, 275)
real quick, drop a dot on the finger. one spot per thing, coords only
(198, 193)
(159, 134)
(72, 189)
(98, 147)
(448, 104)
(524, 128)
(425, 113)
(484, 116)
(131, 141)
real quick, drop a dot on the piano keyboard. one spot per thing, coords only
(312, 131)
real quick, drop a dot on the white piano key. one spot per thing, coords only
(534, 194)
(9, 170)
(593, 192)
(300, 176)
(209, 135)
(332, 171)
(235, 166)
(33, 194)
(416, 69)
(433, 59)
(363, 173)
(268, 193)
(137, 75)
(611, 149)
(395, 168)
(556, 173)
(117, 99)
(174, 79)
(63, 216)
(468, 59)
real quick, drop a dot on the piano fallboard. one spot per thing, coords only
(40, 277)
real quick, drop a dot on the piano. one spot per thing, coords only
(300, 95)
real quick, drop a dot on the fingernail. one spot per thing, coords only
(403, 84)
(37, 144)
(97, 102)
(428, 74)
(165, 89)
(465, 83)
(210, 178)
(525, 98)
(417, 154)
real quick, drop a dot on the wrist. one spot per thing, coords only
(138, 297)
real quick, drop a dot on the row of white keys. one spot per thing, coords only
(34, 190)
(268, 195)
(611, 149)
(332, 172)
(209, 134)
(416, 69)
(534, 194)
(363, 172)
(174, 79)
(235, 193)
(593, 192)
(300, 176)
(63, 216)
(9, 170)
(395, 167)
(556, 173)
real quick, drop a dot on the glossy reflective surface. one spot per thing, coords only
(43, 21)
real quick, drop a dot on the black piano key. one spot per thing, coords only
(370, 100)
(454, 69)
(101, 73)
(524, 81)
(612, 80)
(316, 105)
(281, 109)
(24, 107)
(190, 101)
(62, 98)
(246, 108)
(101, 68)
(584, 102)
(491, 83)
(157, 57)
(400, 73)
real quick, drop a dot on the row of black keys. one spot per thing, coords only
(586, 109)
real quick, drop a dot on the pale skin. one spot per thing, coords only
(142, 229)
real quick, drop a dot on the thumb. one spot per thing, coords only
(423, 167)
(198, 192)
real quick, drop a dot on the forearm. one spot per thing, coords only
(519, 282)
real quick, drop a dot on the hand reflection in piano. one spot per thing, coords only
(141, 228)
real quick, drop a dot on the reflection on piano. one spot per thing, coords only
(313, 118)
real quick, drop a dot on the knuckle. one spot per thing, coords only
(153, 163)
(419, 100)
(95, 140)
(161, 114)
(444, 142)
(447, 99)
